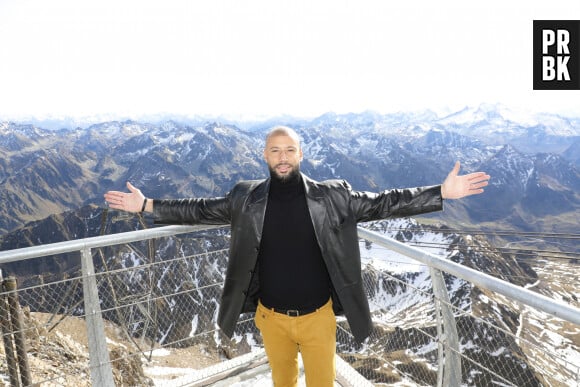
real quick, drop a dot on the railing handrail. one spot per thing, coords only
(549, 305)
(98, 241)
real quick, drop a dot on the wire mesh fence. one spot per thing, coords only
(147, 305)
(159, 303)
(500, 342)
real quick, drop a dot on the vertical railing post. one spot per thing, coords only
(441, 338)
(7, 332)
(101, 372)
(451, 368)
(17, 327)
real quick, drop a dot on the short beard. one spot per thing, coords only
(294, 173)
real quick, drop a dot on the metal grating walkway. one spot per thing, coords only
(252, 370)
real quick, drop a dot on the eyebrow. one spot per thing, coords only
(280, 147)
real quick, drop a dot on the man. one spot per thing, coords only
(294, 255)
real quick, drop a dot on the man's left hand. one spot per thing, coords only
(456, 187)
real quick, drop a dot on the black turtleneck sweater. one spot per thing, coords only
(292, 272)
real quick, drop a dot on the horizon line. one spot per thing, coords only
(156, 117)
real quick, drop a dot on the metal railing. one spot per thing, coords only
(421, 337)
(522, 346)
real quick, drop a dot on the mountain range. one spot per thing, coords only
(533, 161)
(52, 181)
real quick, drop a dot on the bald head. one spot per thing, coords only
(283, 131)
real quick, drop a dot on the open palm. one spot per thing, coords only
(456, 186)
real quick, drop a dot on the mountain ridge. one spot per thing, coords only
(55, 194)
(43, 172)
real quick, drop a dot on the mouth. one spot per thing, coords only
(283, 168)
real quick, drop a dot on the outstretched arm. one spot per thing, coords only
(456, 187)
(131, 201)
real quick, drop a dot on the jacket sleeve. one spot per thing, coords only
(369, 206)
(192, 211)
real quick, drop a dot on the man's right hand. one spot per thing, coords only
(131, 201)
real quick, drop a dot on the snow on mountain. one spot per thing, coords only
(402, 307)
(399, 292)
(371, 151)
(499, 125)
(491, 113)
(400, 297)
(503, 118)
(391, 304)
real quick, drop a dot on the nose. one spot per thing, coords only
(283, 155)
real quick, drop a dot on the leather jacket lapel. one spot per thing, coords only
(315, 200)
(256, 205)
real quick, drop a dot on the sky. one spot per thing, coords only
(256, 59)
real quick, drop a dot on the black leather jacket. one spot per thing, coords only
(335, 210)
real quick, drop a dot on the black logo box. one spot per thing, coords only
(573, 64)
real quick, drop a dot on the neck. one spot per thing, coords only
(292, 183)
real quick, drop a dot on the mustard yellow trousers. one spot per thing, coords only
(313, 334)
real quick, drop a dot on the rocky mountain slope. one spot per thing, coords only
(532, 347)
(397, 287)
(51, 185)
(44, 172)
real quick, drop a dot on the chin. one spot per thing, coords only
(285, 177)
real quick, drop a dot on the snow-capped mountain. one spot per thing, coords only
(65, 169)
(398, 289)
(51, 186)
(488, 120)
